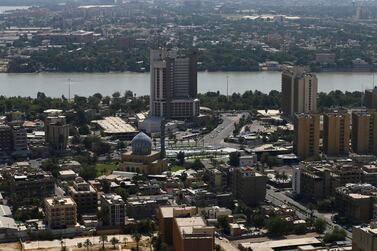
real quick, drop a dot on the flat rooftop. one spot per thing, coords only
(60, 201)
(271, 245)
(115, 125)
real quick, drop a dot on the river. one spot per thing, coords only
(85, 84)
(9, 8)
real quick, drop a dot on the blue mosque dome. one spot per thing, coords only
(141, 144)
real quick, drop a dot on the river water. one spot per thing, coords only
(9, 8)
(85, 84)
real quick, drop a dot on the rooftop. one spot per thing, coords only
(114, 125)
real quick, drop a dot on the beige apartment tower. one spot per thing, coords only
(306, 135)
(364, 132)
(299, 91)
(336, 132)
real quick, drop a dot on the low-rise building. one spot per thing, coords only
(356, 202)
(364, 238)
(116, 127)
(60, 212)
(84, 195)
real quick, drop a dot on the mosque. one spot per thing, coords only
(142, 159)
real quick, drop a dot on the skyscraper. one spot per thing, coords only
(306, 135)
(173, 85)
(364, 132)
(336, 132)
(299, 91)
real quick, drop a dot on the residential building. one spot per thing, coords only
(6, 139)
(248, 185)
(20, 145)
(192, 233)
(56, 131)
(364, 238)
(306, 135)
(84, 195)
(364, 132)
(113, 210)
(173, 85)
(31, 185)
(166, 217)
(356, 202)
(336, 133)
(60, 212)
(299, 91)
(141, 209)
(370, 98)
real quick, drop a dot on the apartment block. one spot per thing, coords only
(356, 202)
(166, 217)
(364, 132)
(306, 135)
(336, 133)
(364, 238)
(299, 91)
(60, 212)
(248, 185)
(84, 195)
(113, 210)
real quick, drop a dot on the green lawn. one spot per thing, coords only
(176, 168)
(105, 168)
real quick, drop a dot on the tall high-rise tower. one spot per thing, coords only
(173, 85)
(299, 91)
(306, 135)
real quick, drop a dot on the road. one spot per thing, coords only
(222, 131)
(278, 198)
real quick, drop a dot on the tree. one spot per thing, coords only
(223, 224)
(276, 226)
(320, 225)
(258, 220)
(157, 243)
(234, 159)
(181, 158)
(103, 239)
(337, 234)
(114, 241)
(84, 130)
(217, 247)
(137, 237)
(87, 244)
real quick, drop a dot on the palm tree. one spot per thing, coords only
(87, 244)
(137, 237)
(102, 239)
(114, 241)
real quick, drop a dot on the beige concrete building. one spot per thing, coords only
(56, 131)
(60, 212)
(84, 195)
(299, 91)
(364, 238)
(336, 133)
(306, 135)
(192, 233)
(248, 185)
(364, 132)
(356, 202)
(166, 217)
